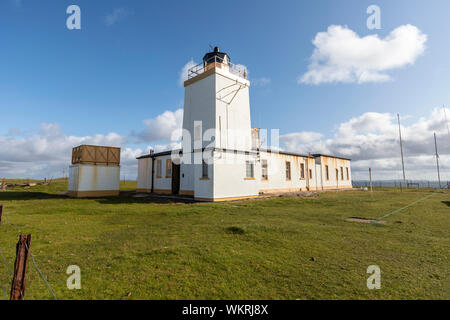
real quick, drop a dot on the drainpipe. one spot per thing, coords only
(153, 173)
(321, 172)
(307, 172)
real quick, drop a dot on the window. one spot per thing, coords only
(337, 175)
(310, 174)
(342, 173)
(168, 168)
(158, 168)
(249, 169)
(197, 132)
(204, 169)
(264, 170)
(288, 170)
(302, 171)
(348, 176)
(327, 173)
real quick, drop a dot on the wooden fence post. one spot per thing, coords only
(20, 267)
(4, 185)
(1, 212)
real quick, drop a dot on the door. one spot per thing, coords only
(175, 178)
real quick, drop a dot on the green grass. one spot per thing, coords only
(257, 249)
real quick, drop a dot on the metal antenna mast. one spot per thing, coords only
(437, 160)
(401, 149)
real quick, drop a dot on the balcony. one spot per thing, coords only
(217, 62)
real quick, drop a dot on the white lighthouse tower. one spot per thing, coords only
(222, 157)
(217, 129)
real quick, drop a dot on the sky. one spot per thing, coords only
(318, 74)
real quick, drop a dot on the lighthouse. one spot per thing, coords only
(221, 156)
(216, 122)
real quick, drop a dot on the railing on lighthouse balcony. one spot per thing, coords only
(217, 62)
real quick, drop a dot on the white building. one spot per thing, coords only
(222, 157)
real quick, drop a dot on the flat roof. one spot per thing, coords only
(315, 155)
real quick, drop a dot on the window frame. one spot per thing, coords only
(327, 172)
(249, 165)
(205, 169)
(264, 167)
(159, 168)
(168, 167)
(302, 171)
(288, 171)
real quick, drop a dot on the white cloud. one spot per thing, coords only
(372, 140)
(184, 71)
(46, 154)
(161, 127)
(261, 82)
(117, 15)
(341, 55)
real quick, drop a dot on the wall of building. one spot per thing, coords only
(230, 178)
(233, 124)
(335, 163)
(203, 187)
(144, 180)
(277, 181)
(163, 183)
(93, 180)
(187, 177)
(199, 105)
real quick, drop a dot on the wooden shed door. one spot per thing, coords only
(175, 178)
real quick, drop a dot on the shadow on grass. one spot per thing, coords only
(128, 197)
(18, 195)
(447, 203)
(124, 197)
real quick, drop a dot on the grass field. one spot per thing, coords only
(275, 248)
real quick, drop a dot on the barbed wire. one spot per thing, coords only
(9, 222)
(40, 273)
(5, 262)
(32, 258)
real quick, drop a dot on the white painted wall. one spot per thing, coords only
(86, 177)
(333, 164)
(162, 183)
(144, 174)
(187, 176)
(207, 100)
(230, 175)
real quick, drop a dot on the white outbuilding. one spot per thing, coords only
(222, 157)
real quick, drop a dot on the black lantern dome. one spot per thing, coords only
(216, 56)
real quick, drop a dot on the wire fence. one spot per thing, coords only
(5, 262)
(400, 184)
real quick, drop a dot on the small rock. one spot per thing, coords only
(313, 259)
(129, 294)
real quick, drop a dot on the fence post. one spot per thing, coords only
(1, 212)
(4, 185)
(20, 267)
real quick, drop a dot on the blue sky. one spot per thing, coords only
(116, 72)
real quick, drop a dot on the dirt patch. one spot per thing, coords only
(364, 220)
